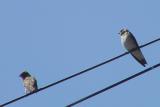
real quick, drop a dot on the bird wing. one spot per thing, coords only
(35, 83)
(141, 61)
(137, 54)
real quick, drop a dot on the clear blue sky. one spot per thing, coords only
(53, 39)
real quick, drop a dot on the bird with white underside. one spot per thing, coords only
(130, 43)
(29, 82)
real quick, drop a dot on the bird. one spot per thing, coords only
(29, 82)
(130, 43)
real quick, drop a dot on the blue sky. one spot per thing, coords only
(53, 39)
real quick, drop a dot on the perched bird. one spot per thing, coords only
(29, 82)
(129, 42)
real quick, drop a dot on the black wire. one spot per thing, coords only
(79, 73)
(113, 85)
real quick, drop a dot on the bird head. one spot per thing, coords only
(122, 31)
(24, 74)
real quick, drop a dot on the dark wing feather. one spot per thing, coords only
(143, 61)
(133, 38)
(35, 84)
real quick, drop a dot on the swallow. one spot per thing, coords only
(130, 43)
(29, 82)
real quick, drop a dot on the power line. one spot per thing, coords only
(113, 85)
(79, 73)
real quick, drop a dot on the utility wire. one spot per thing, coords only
(79, 73)
(113, 85)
